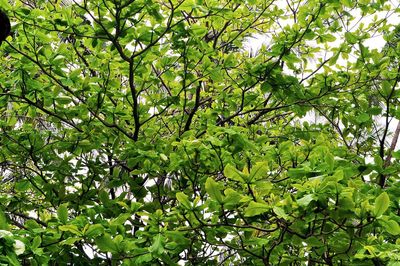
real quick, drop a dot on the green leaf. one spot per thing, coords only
(212, 189)
(306, 200)
(144, 259)
(362, 118)
(70, 228)
(232, 173)
(12, 260)
(378, 161)
(200, 31)
(64, 99)
(392, 227)
(297, 172)
(132, 162)
(387, 88)
(232, 197)
(280, 212)
(158, 245)
(350, 38)
(260, 170)
(371, 250)
(256, 208)
(330, 160)
(230, 60)
(22, 185)
(70, 241)
(263, 187)
(37, 240)
(334, 58)
(3, 221)
(328, 37)
(5, 4)
(94, 230)
(121, 219)
(381, 204)
(106, 244)
(135, 206)
(183, 199)
(347, 3)
(314, 242)
(62, 213)
(32, 225)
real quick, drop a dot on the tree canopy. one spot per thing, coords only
(153, 132)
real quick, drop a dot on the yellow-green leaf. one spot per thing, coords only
(260, 170)
(280, 213)
(392, 227)
(232, 173)
(381, 204)
(70, 228)
(183, 199)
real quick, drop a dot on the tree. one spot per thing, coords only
(143, 132)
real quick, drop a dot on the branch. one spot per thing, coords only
(195, 108)
(382, 178)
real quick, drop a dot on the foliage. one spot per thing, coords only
(145, 133)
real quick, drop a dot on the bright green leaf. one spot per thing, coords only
(280, 213)
(70, 228)
(260, 170)
(183, 199)
(392, 227)
(381, 204)
(232, 173)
